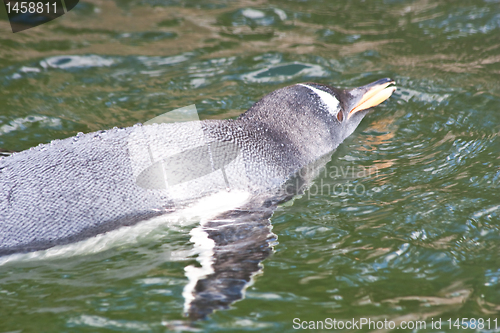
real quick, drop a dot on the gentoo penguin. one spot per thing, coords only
(82, 186)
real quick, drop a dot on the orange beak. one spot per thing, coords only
(375, 95)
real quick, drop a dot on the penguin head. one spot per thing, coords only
(346, 108)
(351, 104)
(313, 112)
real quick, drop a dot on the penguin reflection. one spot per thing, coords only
(232, 246)
(231, 249)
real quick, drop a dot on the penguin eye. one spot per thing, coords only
(340, 116)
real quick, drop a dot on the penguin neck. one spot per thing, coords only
(308, 134)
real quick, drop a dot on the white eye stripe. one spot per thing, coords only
(329, 100)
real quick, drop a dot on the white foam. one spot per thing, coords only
(74, 61)
(281, 13)
(21, 123)
(252, 13)
(103, 322)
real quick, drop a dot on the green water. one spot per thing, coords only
(418, 240)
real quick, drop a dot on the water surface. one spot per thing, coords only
(414, 234)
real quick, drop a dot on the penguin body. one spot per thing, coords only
(73, 189)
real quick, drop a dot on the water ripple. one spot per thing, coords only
(73, 61)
